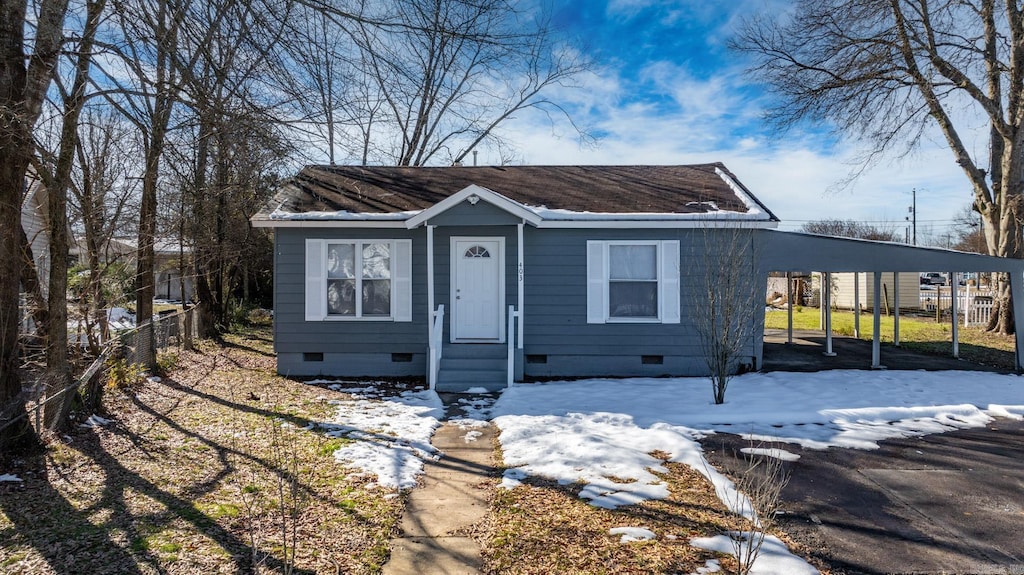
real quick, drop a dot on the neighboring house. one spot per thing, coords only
(36, 223)
(475, 276)
(847, 287)
(168, 254)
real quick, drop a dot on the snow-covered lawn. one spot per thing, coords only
(390, 436)
(602, 433)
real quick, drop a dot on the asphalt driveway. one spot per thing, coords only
(945, 503)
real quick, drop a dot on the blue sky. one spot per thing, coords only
(667, 90)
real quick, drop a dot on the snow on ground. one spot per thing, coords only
(94, 421)
(772, 452)
(772, 559)
(9, 478)
(632, 533)
(602, 432)
(390, 435)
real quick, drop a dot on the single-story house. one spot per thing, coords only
(171, 262)
(478, 276)
(35, 221)
(849, 289)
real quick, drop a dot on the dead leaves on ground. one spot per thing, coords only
(187, 478)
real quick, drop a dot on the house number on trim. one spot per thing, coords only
(520, 272)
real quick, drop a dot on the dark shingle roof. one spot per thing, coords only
(598, 189)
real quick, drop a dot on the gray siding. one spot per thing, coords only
(555, 306)
(556, 310)
(346, 345)
(481, 214)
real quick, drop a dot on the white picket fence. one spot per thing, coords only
(974, 305)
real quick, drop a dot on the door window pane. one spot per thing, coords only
(477, 252)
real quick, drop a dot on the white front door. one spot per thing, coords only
(477, 289)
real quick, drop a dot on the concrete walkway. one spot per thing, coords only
(441, 514)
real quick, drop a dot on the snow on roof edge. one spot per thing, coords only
(754, 206)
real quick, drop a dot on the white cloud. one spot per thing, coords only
(715, 119)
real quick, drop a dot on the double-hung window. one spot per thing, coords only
(633, 281)
(358, 279)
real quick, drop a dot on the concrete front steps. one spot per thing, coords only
(473, 365)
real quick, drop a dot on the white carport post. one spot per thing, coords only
(826, 289)
(876, 347)
(856, 304)
(520, 275)
(954, 295)
(430, 284)
(789, 307)
(896, 309)
(1017, 295)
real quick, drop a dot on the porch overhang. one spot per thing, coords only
(474, 194)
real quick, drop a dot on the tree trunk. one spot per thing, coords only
(164, 98)
(23, 85)
(145, 287)
(13, 163)
(58, 367)
(201, 250)
(1003, 227)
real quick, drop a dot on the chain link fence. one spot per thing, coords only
(167, 330)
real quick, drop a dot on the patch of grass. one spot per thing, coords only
(14, 558)
(166, 362)
(219, 510)
(331, 445)
(916, 333)
(168, 547)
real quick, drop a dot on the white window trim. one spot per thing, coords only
(665, 283)
(320, 279)
(607, 267)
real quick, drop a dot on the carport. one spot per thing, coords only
(781, 251)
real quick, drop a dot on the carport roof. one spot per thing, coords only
(785, 251)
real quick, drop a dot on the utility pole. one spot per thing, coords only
(913, 214)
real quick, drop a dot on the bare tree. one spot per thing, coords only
(969, 231)
(237, 143)
(722, 298)
(449, 72)
(851, 229)
(57, 179)
(758, 497)
(319, 82)
(25, 76)
(885, 71)
(145, 90)
(100, 200)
